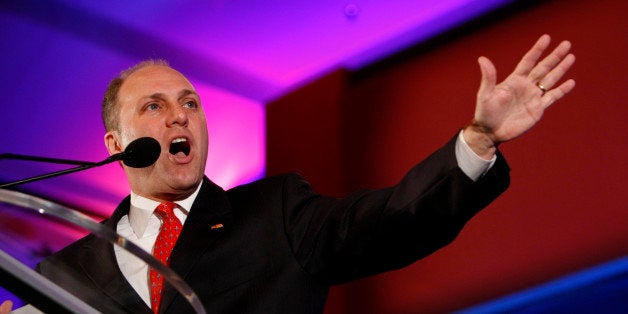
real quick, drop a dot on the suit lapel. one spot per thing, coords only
(99, 262)
(209, 216)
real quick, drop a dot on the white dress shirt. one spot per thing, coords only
(471, 164)
(141, 227)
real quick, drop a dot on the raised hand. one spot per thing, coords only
(506, 110)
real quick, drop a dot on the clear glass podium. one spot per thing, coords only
(21, 213)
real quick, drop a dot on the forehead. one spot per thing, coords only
(151, 80)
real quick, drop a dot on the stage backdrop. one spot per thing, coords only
(566, 207)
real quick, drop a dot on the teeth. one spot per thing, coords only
(179, 145)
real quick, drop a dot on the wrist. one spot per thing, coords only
(480, 139)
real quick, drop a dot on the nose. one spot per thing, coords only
(178, 116)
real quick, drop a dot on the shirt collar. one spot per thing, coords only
(142, 209)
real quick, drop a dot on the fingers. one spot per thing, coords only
(550, 62)
(489, 76)
(557, 93)
(557, 72)
(548, 71)
(6, 307)
(530, 59)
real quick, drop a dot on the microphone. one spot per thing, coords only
(140, 153)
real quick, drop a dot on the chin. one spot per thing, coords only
(185, 182)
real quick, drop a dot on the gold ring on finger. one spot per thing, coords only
(543, 88)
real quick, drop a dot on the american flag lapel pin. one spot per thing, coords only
(217, 227)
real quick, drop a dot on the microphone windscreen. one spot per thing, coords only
(142, 152)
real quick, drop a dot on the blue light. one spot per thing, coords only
(600, 289)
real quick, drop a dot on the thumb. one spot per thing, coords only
(489, 76)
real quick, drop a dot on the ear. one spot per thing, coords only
(113, 143)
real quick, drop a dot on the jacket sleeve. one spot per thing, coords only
(369, 232)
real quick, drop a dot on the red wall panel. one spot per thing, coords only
(565, 209)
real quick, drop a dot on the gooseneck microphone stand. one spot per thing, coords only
(44, 159)
(83, 165)
(140, 153)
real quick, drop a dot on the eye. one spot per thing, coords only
(152, 106)
(190, 104)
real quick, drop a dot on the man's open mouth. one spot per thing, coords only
(179, 145)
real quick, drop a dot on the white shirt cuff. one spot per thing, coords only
(471, 164)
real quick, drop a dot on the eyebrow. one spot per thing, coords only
(187, 92)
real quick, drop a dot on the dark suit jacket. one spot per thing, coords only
(283, 245)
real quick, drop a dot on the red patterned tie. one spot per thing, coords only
(168, 234)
